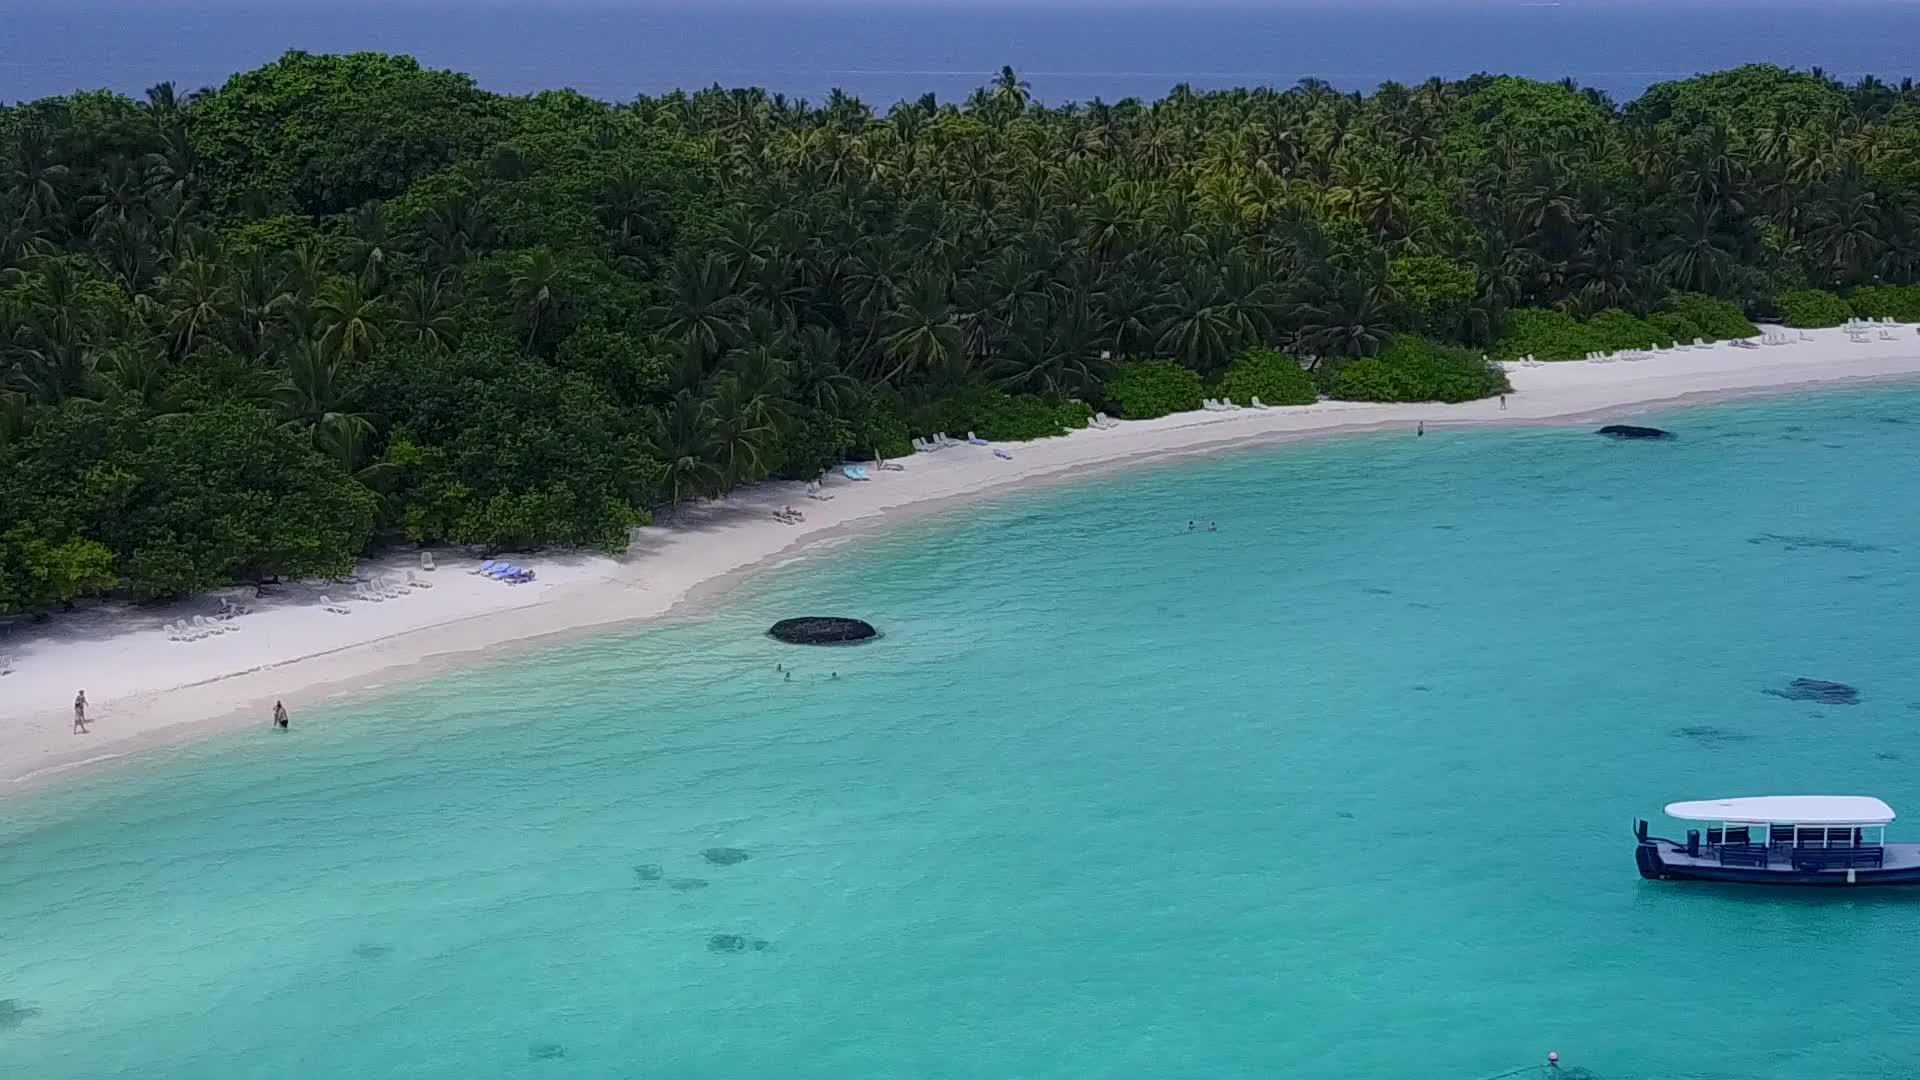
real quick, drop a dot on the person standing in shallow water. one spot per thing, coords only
(1420, 430)
(80, 713)
(280, 715)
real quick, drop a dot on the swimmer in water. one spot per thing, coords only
(1213, 526)
(789, 676)
(280, 715)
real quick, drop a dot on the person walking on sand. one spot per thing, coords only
(80, 713)
(1503, 403)
(280, 715)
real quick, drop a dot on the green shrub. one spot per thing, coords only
(997, 415)
(1612, 330)
(881, 432)
(1900, 303)
(1673, 326)
(1144, 389)
(1718, 320)
(1416, 369)
(1073, 415)
(1812, 308)
(1545, 335)
(1270, 375)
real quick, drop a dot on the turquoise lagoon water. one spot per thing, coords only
(1341, 790)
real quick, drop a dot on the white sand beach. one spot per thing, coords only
(145, 689)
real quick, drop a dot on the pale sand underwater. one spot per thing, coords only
(145, 689)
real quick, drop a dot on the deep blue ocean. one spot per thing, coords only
(889, 50)
(1343, 790)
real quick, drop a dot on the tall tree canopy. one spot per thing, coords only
(344, 300)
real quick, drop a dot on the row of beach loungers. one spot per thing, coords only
(1227, 405)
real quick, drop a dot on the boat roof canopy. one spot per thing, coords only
(1787, 810)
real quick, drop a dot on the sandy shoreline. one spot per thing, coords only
(147, 690)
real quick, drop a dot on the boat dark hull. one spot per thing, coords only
(1655, 866)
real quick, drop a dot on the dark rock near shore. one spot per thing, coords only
(1708, 735)
(14, 1012)
(1630, 431)
(725, 856)
(726, 943)
(1819, 690)
(1819, 543)
(821, 630)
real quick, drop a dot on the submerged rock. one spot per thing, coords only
(14, 1012)
(648, 872)
(725, 856)
(726, 943)
(1631, 431)
(368, 950)
(546, 1051)
(1708, 735)
(1799, 543)
(687, 884)
(1826, 693)
(821, 630)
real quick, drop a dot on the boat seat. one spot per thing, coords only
(1837, 858)
(1743, 855)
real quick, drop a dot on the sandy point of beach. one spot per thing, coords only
(145, 689)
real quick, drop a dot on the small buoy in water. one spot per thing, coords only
(1553, 1058)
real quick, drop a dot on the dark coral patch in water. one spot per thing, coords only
(1887, 755)
(648, 872)
(546, 1051)
(1708, 735)
(1809, 543)
(822, 630)
(1818, 690)
(1634, 431)
(726, 943)
(1374, 591)
(725, 856)
(369, 950)
(14, 1012)
(687, 884)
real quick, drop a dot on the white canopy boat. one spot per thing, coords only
(1781, 840)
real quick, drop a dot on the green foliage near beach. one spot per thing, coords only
(1270, 375)
(360, 302)
(1813, 308)
(1900, 303)
(1716, 319)
(1417, 369)
(1145, 389)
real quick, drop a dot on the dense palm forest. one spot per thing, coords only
(343, 301)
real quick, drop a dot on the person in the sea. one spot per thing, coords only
(1189, 526)
(80, 713)
(789, 676)
(1420, 430)
(1213, 526)
(280, 715)
(835, 675)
